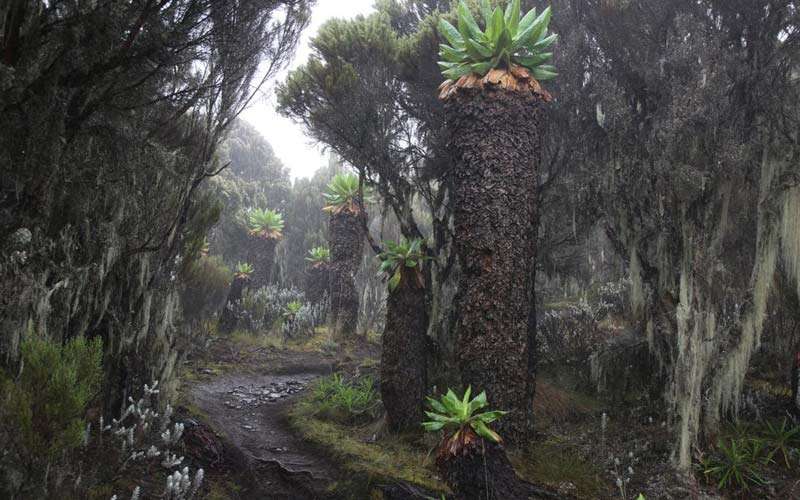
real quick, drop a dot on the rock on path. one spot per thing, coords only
(250, 410)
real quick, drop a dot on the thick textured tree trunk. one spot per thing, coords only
(228, 319)
(482, 471)
(796, 385)
(317, 280)
(404, 373)
(495, 143)
(347, 246)
(263, 258)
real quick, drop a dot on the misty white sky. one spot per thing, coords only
(291, 145)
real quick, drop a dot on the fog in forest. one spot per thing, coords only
(552, 250)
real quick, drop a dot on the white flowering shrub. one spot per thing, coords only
(271, 308)
(306, 320)
(260, 309)
(143, 434)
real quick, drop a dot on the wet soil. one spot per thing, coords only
(248, 411)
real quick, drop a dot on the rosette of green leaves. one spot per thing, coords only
(341, 193)
(243, 270)
(507, 39)
(267, 224)
(450, 412)
(405, 255)
(319, 255)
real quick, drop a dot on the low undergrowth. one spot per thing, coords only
(556, 463)
(373, 456)
(340, 400)
(749, 457)
(333, 416)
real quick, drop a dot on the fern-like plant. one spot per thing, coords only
(342, 194)
(243, 270)
(265, 223)
(507, 40)
(460, 416)
(782, 441)
(736, 464)
(319, 255)
(401, 260)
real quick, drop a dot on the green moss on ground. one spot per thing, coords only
(554, 463)
(387, 458)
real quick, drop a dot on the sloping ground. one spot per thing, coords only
(249, 410)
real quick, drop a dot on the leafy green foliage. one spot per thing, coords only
(450, 412)
(292, 308)
(42, 411)
(265, 223)
(340, 400)
(244, 270)
(736, 464)
(342, 193)
(507, 39)
(402, 256)
(205, 287)
(319, 255)
(783, 441)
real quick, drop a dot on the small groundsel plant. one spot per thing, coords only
(345, 401)
(461, 420)
(508, 39)
(265, 223)
(303, 318)
(318, 256)
(402, 261)
(291, 309)
(243, 270)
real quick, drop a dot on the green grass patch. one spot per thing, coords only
(257, 340)
(345, 401)
(390, 457)
(553, 462)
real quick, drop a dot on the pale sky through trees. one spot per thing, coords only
(297, 151)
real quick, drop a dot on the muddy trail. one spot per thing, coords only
(249, 411)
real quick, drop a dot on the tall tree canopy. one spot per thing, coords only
(111, 115)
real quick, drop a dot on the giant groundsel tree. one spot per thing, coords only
(345, 203)
(404, 376)
(493, 111)
(266, 228)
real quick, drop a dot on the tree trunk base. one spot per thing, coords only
(404, 377)
(482, 471)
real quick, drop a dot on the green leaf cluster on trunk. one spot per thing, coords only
(452, 412)
(397, 256)
(507, 39)
(265, 223)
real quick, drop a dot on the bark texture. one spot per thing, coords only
(796, 385)
(316, 282)
(347, 246)
(495, 144)
(228, 319)
(404, 373)
(263, 259)
(481, 471)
